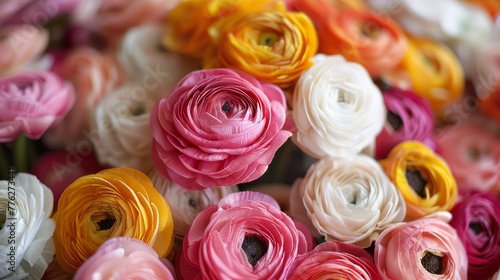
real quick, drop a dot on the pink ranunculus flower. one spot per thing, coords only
(10, 7)
(184, 204)
(40, 12)
(124, 258)
(20, 45)
(473, 155)
(245, 236)
(477, 222)
(334, 260)
(30, 103)
(93, 75)
(426, 248)
(218, 127)
(409, 117)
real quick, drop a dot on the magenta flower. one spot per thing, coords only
(30, 103)
(218, 127)
(427, 248)
(334, 260)
(36, 12)
(409, 117)
(477, 222)
(124, 258)
(245, 236)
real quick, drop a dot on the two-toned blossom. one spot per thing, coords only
(219, 127)
(112, 203)
(337, 108)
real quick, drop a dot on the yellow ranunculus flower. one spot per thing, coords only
(423, 178)
(274, 47)
(186, 28)
(114, 202)
(435, 73)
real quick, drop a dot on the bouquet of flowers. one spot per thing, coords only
(250, 139)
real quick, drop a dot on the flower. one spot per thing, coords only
(490, 6)
(32, 102)
(317, 8)
(26, 229)
(460, 25)
(10, 7)
(486, 80)
(187, 23)
(337, 108)
(123, 258)
(111, 19)
(477, 222)
(347, 199)
(245, 236)
(20, 44)
(409, 117)
(144, 60)
(423, 178)
(121, 125)
(93, 75)
(58, 169)
(218, 128)
(114, 202)
(334, 260)
(473, 155)
(359, 35)
(185, 204)
(435, 73)
(425, 249)
(275, 46)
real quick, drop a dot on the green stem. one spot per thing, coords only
(20, 154)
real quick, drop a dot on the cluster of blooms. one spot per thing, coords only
(136, 137)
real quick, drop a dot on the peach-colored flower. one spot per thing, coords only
(486, 79)
(20, 44)
(93, 75)
(421, 249)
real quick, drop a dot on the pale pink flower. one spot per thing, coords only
(219, 127)
(421, 249)
(93, 75)
(334, 260)
(124, 258)
(32, 102)
(245, 236)
(20, 44)
(38, 12)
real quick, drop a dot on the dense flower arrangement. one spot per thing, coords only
(250, 139)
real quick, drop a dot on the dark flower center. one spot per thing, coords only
(432, 263)
(226, 107)
(254, 247)
(394, 120)
(476, 227)
(106, 224)
(416, 181)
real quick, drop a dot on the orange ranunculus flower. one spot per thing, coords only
(435, 73)
(361, 36)
(423, 178)
(322, 8)
(274, 47)
(186, 29)
(114, 202)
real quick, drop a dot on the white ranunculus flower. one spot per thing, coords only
(185, 204)
(144, 59)
(349, 199)
(337, 109)
(26, 228)
(462, 26)
(121, 127)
